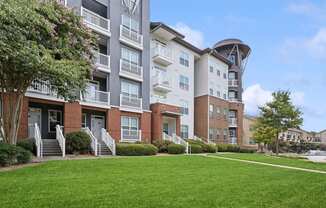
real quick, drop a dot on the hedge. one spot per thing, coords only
(11, 154)
(228, 148)
(27, 144)
(207, 148)
(125, 149)
(195, 148)
(78, 142)
(162, 145)
(176, 149)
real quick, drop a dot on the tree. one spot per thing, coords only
(263, 134)
(40, 40)
(280, 114)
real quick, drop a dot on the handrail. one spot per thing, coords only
(61, 139)
(38, 141)
(130, 67)
(177, 140)
(95, 19)
(94, 144)
(131, 35)
(131, 101)
(108, 140)
(161, 50)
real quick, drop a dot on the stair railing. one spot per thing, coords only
(177, 140)
(61, 139)
(108, 141)
(94, 143)
(38, 141)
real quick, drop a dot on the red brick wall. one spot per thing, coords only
(23, 126)
(72, 117)
(114, 123)
(145, 125)
(201, 117)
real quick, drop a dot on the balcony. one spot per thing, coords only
(162, 55)
(42, 89)
(96, 97)
(132, 38)
(131, 70)
(96, 22)
(131, 102)
(102, 61)
(162, 83)
(128, 135)
(233, 122)
(233, 83)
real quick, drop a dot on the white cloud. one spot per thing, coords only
(306, 8)
(255, 96)
(297, 48)
(193, 36)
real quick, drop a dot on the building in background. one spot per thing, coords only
(248, 129)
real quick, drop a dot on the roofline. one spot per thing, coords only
(188, 45)
(217, 55)
(158, 25)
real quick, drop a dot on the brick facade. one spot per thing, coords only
(72, 117)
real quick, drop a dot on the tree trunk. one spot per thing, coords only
(277, 145)
(12, 109)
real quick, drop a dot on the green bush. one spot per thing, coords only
(27, 144)
(246, 150)
(162, 145)
(195, 148)
(228, 148)
(23, 156)
(11, 154)
(125, 149)
(78, 142)
(176, 149)
(210, 148)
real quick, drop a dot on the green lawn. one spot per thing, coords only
(294, 162)
(159, 182)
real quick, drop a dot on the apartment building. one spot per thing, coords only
(172, 82)
(248, 129)
(117, 96)
(218, 92)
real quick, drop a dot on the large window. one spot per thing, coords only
(211, 91)
(129, 123)
(184, 108)
(184, 59)
(184, 131)
(232, 76)
(211, 110)
(129, 89)
(184, 82)
(55, 118)
(130, 56)
(130, 23)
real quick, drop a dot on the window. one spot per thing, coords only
(232, 76)
(184, 131)
(232, 58)
(211, 110)
(217, 134)
(232, 95)
(55, 118)
(184, 59)
(224, 96)
(129, 89)
(224, 75)
(129, 124)
(130, 23)
(218, 93)
(184, 82)
(211, 91)
(184, 108)
(225, 134)
(130, 56)
(218, 72)
(225, 111)
(218, 110)
(211, 69)
(83, 120)
(211, 134)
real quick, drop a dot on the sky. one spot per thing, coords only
(287, 38)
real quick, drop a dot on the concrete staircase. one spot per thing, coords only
(51, 147)
(104, 150)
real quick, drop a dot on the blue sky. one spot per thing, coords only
(288, 41)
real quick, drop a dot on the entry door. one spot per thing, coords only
(34, 116)
(97, 123)
(166, 128)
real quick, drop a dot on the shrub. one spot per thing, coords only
(27, 144)
(176, 149)
(162, 145)
(125, 149)
(228, 148)
(210, 148)
(195, 148)
(7, 154)
(78, 142)
(23, 156)
(246, 150)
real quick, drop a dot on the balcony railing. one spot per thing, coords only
(129, 135)
(233, 122)
(102, 61)
(42, 87)
(130, 101)
(162, 83)
(130, 69)
(96, 96)
(131, 37)
(95, 21)
(162, 55)
(233, 83)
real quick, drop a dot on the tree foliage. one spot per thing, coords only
(40, 40)
(280, 114)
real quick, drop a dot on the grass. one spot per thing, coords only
(294, 162)
(174, 182)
